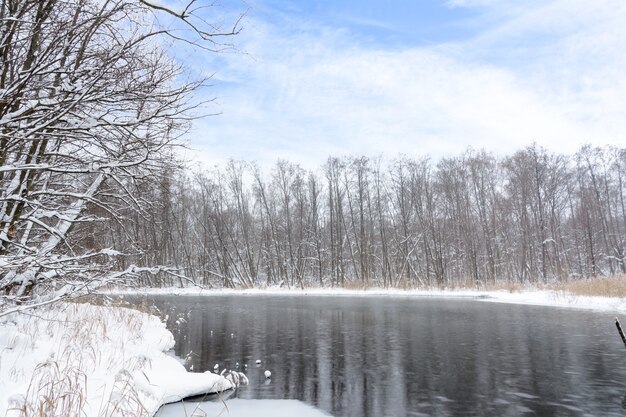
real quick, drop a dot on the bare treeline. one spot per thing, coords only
(473, 219)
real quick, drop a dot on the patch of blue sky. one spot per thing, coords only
(392, 23)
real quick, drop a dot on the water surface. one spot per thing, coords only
(384, 356)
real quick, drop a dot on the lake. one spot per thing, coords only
(402, 356)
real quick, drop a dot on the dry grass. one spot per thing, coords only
(501, 286)
(614, 286)
(57, 389)
(124, 399)
(356, 285)
(58, 386)
(103, 300)
(468, 284)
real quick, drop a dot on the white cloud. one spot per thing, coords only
(551, 74)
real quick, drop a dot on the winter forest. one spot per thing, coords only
(92, 192)
(474, 219)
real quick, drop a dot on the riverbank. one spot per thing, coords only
(553, 297)
(84, 360)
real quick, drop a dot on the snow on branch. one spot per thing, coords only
(91, 110)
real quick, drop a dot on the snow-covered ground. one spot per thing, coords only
(529, 296)
(84, 360)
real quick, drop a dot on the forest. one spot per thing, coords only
(475, 219)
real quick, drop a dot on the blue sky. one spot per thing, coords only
(424, 77)
(384, 24)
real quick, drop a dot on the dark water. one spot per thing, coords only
(408, 356)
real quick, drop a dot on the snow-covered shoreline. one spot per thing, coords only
(79, 359)
(531, 296)
(114, 359)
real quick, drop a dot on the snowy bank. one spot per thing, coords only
(84, 360)
(529, 296)
(244, 408)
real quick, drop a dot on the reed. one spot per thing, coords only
(81, 339)
(613, 286)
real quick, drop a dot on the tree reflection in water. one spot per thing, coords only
(408, 356)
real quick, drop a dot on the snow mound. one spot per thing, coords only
(92, 361)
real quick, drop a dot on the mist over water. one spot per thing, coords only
(380, 356)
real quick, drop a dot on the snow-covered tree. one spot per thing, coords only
(90, 107)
